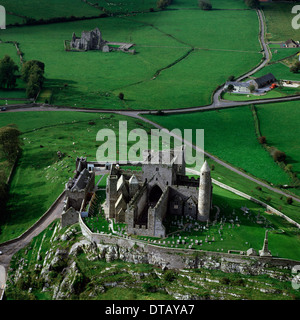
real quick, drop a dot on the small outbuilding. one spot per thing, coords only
(291, 44)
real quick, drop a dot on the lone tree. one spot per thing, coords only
(162, 4)
(10, 143)
(230, 88)
(33, 74)
(204, 4)
(8, 70)
(296, 67)
(253, 4)
(252, 88)
(279, 156)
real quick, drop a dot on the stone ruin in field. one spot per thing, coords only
(92, 40)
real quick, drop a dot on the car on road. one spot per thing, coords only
(3, 109)
(1, 253)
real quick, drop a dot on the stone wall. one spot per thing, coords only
(138, 251)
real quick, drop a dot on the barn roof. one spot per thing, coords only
(262, 81)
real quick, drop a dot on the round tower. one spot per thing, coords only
(205, 193)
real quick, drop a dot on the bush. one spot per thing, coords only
(262, 139)
(121, 96)
(204, 5)
(170, 275)
(253, 4)
(225, 281)
(162, 4)
(289, 200)
(279, 156)
(148, 287)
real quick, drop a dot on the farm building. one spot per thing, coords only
(239, 87)
(291, 44)
(264, 81)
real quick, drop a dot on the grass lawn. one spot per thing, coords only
(163, 49)
(279, 21)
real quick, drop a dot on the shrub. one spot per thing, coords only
(170, 275)
(253, 4)
(225, 280)
(279, 156)
(121, 96)
(289, 200)
(262, 139)
(204, 5)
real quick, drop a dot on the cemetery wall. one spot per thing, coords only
(139, 251)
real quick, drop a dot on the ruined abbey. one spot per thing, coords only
(143, 199)
(92, 40)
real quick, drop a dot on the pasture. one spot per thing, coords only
(229, 135)
(176, 65)
(278, 125)
(279, 21)
(45, 9)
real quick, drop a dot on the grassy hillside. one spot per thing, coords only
(119, 280)
(40, 176)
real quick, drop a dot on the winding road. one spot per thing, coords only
(11, 247)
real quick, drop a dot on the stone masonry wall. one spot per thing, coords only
(138, 251)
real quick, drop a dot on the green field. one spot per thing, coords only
(229, 135)
(280, 71)
(273, 117)
(282, 53)
(40, 176)
(176, 65)
(45, 9)
(279, 19)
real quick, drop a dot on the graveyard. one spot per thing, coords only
(235, 227)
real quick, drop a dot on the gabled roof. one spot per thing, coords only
(291, 41)
(261, 81)
(238, 84)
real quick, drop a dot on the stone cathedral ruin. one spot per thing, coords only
(143, 199)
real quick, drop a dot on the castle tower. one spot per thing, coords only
(205, 193)
(265, 252)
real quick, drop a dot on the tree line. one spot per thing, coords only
(32, 73)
